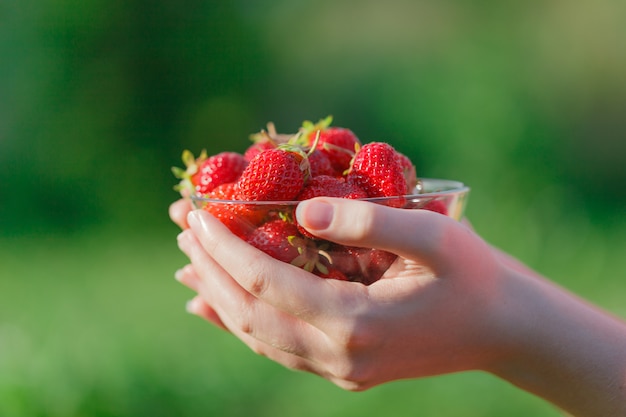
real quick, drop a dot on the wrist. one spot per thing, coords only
(558, 347)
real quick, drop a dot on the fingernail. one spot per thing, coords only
(193, 305)
(197, 219)
(178, 275)
(315, 214)
(193, 218)
(182, 237)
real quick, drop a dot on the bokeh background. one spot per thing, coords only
(523, 101)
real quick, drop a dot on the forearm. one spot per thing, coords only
(562, 349)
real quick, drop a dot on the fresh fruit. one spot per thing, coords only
(204, 173)
(377, 171)
(348, 259)
(338, 143)
(275, 175)
(274, 238)
(334, 273)
(240, 219)
(379, 263)
(437, 206)
(320, 163)
(329, 186)
(409, 172)
(255, 194)
(261, 141)
(256, 148)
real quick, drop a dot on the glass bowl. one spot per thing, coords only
(271, 227)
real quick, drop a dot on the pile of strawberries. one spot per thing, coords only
(255, 193)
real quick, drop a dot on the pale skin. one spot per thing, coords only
(450, 303)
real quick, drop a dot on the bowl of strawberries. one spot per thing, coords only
(255, 193)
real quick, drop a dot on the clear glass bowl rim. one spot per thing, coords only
(443, 188)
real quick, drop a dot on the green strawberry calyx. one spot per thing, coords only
(185, 175)
(309, 257)
(308, 126)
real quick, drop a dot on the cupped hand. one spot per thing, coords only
(435, 311)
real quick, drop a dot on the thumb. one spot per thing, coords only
(430, 238)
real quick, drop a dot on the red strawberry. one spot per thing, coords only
(261, 142)
(409, 171)
(379, 263)
(329, 186)
(256, 148)
(275, 175)
(320, 163)
(240, 218)
(338, 143)
(348, 259)
(274, 238)
(218, 169)
(333, 273)
(227, 191)
(437, 206)
(363, 265)
(204, 173)
(377, 171)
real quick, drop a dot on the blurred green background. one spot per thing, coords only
(523, 101)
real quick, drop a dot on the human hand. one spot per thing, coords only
(449, 303)
(433, 312)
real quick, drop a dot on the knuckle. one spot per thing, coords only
(357, 331)
(354, 375)
(355, 339)
(258, 285)
(353, 345)
(258, 350)
(257, 282)
(244, 321)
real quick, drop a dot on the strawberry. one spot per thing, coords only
(333, 273)
(347, 260)
(377, 170)
(239, 218)
(256, 148)
(379, 263)
(438, 206)
(274, 238)
(218, 169)
(320, 163)
(362, 265)
(280, 239)
(228, 191)
(329, 186)
(204, 173)
(409, 171)
(338, 143)
(261, 141)
(275, 175)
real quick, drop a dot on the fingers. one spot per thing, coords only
(437, 241)
(178, 211)
(188, 277)
(197, 305)
(242, 313)
(200, 308)
(309, 298)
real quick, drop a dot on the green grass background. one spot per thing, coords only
(522, 101)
